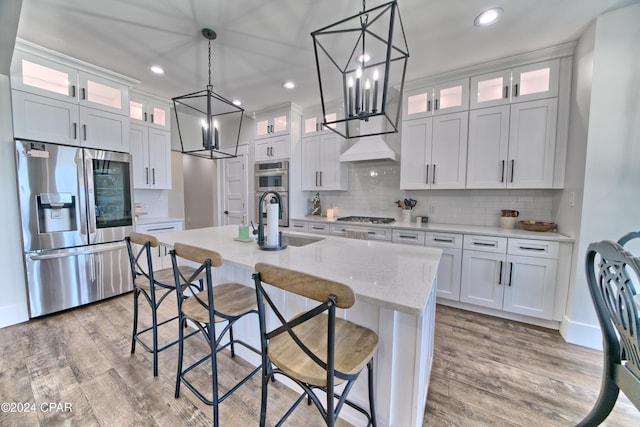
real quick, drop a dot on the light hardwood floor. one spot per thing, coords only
(486, 371)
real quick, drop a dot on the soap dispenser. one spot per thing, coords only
(243, 229)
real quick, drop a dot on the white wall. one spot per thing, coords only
(611, 201)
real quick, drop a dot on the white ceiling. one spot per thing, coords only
(262, 43)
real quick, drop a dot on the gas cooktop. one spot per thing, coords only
(366, 219)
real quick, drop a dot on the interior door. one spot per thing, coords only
(235, 193)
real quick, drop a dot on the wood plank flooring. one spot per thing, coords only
(486, 371)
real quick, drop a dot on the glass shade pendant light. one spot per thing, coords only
(361, 63)
(208, 124)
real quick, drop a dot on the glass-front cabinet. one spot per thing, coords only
(433, 100)
(146, 111)
(274, 125)
(525, 83)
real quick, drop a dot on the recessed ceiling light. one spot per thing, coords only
(288, 85)
(156, 69)
(488, 17)
(237, 102)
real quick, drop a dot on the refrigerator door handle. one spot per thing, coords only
(91, 204)
(71, 253)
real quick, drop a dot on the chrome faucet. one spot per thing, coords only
(260, 214)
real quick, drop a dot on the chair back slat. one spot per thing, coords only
(613, 275)
(199, 255)
(306, 285)
(141, 239)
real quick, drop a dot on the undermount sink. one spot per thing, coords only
(293, 240)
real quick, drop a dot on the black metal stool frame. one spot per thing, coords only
(214, 340)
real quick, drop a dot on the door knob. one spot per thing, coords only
(226, 212)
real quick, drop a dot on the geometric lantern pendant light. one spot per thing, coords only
(361, 63)
(208, 124)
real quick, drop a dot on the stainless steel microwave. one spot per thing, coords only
(272, 176)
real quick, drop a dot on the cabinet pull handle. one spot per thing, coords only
(84, 132)
(510, 273)
(433, 175)
(436, 239)
(298, 226)
(371, 232)
(316, 178)
(317, 228)
(515, 90)
(513, 166)
(405, 236)
(529, 248)
(161, 229)
(145, 117)
(151, 117)
(492, 245)
(436, 105)
(500, 276)
(320, 178)
(506, 91)
(429, 106)
(146, 172)
(73, 91)
(84, 93)
(427, 179)
(502, 171)
(153, 174)
(75, 130)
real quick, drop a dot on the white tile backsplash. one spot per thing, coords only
(373, 188)
(153, 201)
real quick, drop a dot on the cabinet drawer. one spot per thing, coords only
(159, 227)
(318, 228)
(299, 226)
(443, 240)
(485, 243)
(534, 248)
(409, 237)
(372, 233)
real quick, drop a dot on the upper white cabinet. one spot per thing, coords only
(434, 152)
(321, 166)
(275, 129)
(144, 109)
(63, 103)
(312, 123)
(437, 99)
(519, 84)
(151, 153)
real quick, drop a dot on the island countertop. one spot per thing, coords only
(397, 277)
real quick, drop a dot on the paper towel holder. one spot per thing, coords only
(261, 242)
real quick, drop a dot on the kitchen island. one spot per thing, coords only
(395, 297)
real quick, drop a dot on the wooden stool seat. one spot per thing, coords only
(230, 299)
(354, 347)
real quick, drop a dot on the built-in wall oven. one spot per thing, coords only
(273, 176)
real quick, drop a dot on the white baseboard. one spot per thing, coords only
(581, 333)
(13, 314)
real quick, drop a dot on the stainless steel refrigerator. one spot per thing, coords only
(76, 207)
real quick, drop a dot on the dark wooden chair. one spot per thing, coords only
(224, 303)
(314, 349)
(613, 276)
(155, 287)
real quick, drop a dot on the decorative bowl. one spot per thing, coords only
(537, 225)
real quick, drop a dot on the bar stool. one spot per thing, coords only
(225, 302)
(315, 351)
(155, 286)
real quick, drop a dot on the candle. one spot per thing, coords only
(367, 92)
(358, 75)
(350, 97)
(215, 134)
(204, 133)
(375, 91)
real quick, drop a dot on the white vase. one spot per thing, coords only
(406, 215)
(508, 221)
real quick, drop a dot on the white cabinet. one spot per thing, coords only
(434, 152)
(301, 226)
(449, 269)
(444, 98)
(272, 124)
(408, 237)
(519, 277)
(355, 231)
(146, 110)
(161, 256)
(524, 83)
(274, 148)
(312, 123)
(513, 146)
(58, 103)
(151, 152)
(321, 167)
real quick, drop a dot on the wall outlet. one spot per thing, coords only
(572, 199)
(432, 210)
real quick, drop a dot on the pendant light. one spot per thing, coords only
(361, 63)
(208, 124)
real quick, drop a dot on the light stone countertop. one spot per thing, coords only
(397, 277)
(450, 228)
